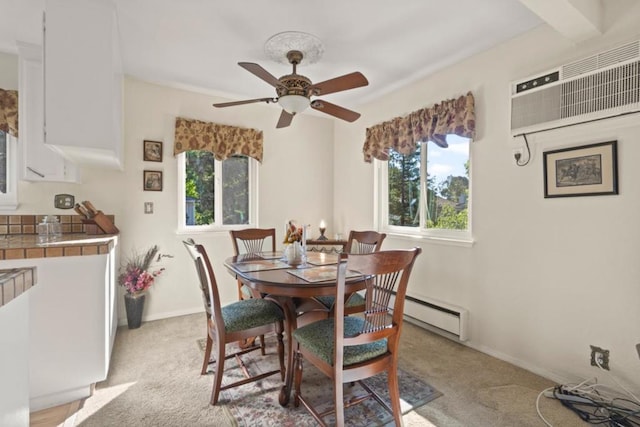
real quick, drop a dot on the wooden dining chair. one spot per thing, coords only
(364, 242)
(352, 348)
(251, 241)
(237, 321)
(359, 242)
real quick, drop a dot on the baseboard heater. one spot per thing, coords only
(441, 315)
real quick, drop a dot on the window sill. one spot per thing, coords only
(209, 229)
(9, 206)
(438, 240)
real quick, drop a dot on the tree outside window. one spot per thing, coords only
(216, 192)
(443, 173)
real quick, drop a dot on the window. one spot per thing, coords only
(427, 192)
(8, 172)
(216, 194)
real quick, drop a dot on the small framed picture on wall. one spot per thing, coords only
(152, 181)
(588, 170)
(152, 151)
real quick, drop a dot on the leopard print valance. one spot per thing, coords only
(9, 112)
(454, 116)
(223, 141)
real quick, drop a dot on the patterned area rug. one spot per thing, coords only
(256, 404)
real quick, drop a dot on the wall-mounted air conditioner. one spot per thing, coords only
(603, 85)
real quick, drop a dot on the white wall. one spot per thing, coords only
(8, 71)
(545, 278)
(295, 182)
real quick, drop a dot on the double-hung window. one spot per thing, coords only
(215, 194)
(427, 192)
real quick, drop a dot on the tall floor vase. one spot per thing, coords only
(134, 304)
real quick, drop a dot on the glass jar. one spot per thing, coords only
(43, 232)
(49, 229)
(55, 231)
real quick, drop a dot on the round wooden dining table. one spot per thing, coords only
(294, 289)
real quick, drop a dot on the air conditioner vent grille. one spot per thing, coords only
(536, 107)
(627, 52)
(580, 67)
(624, 53)
(602, 91)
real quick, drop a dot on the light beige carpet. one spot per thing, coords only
(155, 381)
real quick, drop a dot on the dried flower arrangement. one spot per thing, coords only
(137, 275)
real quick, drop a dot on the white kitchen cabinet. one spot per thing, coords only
(72, 326)
(14, 362)
(38, 162)
(83, 81)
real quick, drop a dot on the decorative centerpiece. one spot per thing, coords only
(295, 241)
(136, 278)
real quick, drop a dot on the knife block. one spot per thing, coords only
(100, 224)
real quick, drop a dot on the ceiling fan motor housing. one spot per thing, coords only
(293, 84)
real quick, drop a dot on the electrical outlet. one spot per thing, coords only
(64, 201)
(517, 154)
(599, 357)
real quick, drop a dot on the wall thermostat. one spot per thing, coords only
(64, 201)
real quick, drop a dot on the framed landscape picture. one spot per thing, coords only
(152, 151)
(152, 181)
(588, 170)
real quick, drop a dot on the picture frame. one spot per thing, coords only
(152, 180)
(152, 151)
(587, 170)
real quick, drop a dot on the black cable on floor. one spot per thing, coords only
(601, 413)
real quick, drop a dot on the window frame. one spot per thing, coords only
(9, 200)
(381, 203)
(217, 225)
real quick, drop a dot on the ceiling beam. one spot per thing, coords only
(577, 20)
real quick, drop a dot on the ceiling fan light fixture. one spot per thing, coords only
(294, 104)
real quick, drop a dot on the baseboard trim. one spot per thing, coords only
(165, 315)
(55, 399)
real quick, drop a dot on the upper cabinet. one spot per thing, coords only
(38, 162)
(83, 82)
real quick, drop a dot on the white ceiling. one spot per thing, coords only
(198, 43)
(392, 43)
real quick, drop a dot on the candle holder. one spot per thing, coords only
(322, 236)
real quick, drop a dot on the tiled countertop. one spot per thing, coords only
(20, 246)
(15, 281)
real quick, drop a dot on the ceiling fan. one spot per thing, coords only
(295, 91)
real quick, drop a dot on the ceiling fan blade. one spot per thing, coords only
(346, 82)
(246, 101)
(335, 110)
(284, 120)
(260, 72)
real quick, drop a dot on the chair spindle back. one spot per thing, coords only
(252, 240)
(364, 242)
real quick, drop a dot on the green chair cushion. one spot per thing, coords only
(250, 313)
(317, 337)
(355, 300)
